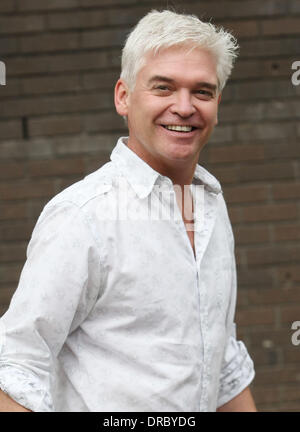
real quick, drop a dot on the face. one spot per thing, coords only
(173, 108)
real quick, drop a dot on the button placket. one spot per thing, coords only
(203, 229)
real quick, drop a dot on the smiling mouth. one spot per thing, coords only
(179, 128)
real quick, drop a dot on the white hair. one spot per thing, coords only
(159, 30)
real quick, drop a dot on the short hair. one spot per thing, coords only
(163, 29)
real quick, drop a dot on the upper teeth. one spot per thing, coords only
(179, 128)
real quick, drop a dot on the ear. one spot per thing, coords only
(121, 97)
(218, 101)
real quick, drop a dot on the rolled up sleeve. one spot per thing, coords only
(237, 370)
(59, 285)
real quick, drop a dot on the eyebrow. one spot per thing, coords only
(171, 81)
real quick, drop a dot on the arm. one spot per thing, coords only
(243, 402)
(237, 369)
(9, 405)
(58, 286)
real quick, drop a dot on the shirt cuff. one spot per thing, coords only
(238, 372)
(24, 388)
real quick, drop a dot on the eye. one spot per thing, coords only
(205, 93)
(162, 87)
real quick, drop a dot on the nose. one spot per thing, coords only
(183, 104)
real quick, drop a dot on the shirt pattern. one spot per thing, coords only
(120, 315)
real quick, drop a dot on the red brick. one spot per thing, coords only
(241, 194)
(13, 211)
(49, 42)
(16, 231)
(263, 90)
(283, 375)
(57, 104)
(221, 134)
(290, 313)
(12, 149)
(86, 144)
(266, 394)
(55, 125)
(104, 122)
(262, 131)
(294, 6)
(246, 69)
(225, 175)
(242, 28)
(35, 64)
(63, 183)
(286, 232)
(269, 48)
(255, 316)
(13, 252)
(221, 9)
(276, 67)
(269, 212)
(272, 255)
(262, 278)
(281, 150)
(6, 294)
(249, 235)
(33, 5)
(10, 272)
(10, 129)
(235, 153)
(266, 357)
(267, 171)
(36, 205)
(288, 190)
(51, 84)
(290, 406)
(267, 337)
(234, 214)
(288, 274)
(281, 26)
(92, 3)
(12, 88)
(26, 189)
(3, 309)
(22, 24)
(292, 354)
(103, 38)
(94, 163)
(12, 170)
(74, 19)
(8, 45)
(279, 296)
(7, 6)
(100, 79)
(58, 167)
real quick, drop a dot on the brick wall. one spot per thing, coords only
(57, 123)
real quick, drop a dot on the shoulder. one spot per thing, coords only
(72, 206)
(90, 187)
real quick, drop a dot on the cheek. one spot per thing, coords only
(210, 115)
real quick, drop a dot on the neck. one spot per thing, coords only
(179, 172)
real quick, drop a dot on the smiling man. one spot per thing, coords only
(136, 313)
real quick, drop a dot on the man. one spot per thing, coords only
(121, 312)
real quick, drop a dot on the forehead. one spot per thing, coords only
(180, 62)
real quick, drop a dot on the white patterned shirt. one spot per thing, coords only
(117, 313)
